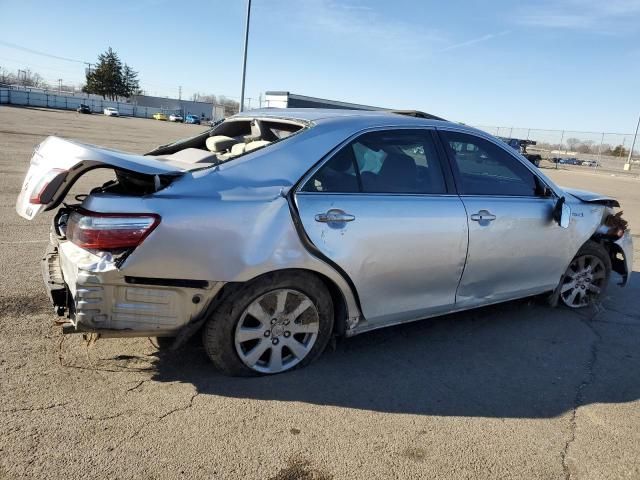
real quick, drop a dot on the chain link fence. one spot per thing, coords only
(569, 148)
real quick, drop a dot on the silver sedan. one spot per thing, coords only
(277, 229)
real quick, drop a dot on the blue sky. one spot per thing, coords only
(567, 64)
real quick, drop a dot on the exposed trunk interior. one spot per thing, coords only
(227, 140)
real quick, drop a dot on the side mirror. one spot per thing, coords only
(562, 213)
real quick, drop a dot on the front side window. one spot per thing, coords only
(486, 169)
(393, 161)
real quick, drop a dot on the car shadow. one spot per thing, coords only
(518, 359)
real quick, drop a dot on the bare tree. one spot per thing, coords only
(199, 97)
(573, 142)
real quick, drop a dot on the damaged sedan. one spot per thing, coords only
(275, 230)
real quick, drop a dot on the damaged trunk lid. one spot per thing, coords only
(58, 163)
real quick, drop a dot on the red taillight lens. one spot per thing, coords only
(43, 183)
(109, 231)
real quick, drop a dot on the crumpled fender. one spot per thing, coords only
(591, 197)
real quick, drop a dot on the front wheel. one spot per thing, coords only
(276, 323)
(587, 276)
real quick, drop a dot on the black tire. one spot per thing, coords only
(164, 343)
(218, 333)
(592, 249)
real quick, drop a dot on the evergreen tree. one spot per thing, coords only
(131, 85)
(110, 78)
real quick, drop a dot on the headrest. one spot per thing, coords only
(238, 149)
(220, 143)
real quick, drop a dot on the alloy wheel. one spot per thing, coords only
(277, 331)
(583, 281)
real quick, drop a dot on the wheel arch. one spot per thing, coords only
(340, 308)
(616, 255)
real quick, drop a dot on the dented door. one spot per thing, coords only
(515, 250)
(403, 253)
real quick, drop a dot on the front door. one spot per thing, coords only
(381, 209)
(515, 247)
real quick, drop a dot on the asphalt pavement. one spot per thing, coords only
(518, 390)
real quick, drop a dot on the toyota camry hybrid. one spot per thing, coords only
(275, 230)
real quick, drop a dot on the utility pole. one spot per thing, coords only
(600, 148)
(24, 76)
(180, 93)
(60, 86)
(244, 60)
(627, 166)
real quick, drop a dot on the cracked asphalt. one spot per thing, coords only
(518, 390)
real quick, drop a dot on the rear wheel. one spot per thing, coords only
(587, 276)
(276, 323)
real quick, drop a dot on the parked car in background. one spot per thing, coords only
(571, 161)
(565, 161)
(192, 119)
(111, 112)
(176, 117)
(82, 108)
(520, 146)
(276, 229)
(160, 116)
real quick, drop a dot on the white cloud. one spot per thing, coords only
(484, 38)
(361, 25)
(357, 25)
(604, 16)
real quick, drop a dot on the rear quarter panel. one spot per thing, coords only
(216, 237)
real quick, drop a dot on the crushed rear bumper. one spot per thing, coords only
(99, 298)
(53, 281)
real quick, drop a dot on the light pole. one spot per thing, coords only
(244, 60)
(627, 166)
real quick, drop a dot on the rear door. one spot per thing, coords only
(515, 247)
(384, 210)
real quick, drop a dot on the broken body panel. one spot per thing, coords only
(57, 164)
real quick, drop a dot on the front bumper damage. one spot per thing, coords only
(624, 265)
(99, 298)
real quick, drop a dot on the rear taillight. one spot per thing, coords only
(53, 177)
(109, 231)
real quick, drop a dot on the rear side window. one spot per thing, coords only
(338, 175)
(486, 169)
(392, 161)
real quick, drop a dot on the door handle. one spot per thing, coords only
(334, 216)
(483, 216)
